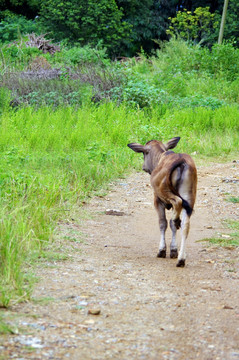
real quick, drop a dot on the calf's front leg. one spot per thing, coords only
(162, 226)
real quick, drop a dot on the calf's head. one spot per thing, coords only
(152, 151)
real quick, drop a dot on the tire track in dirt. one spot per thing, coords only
(149, 309)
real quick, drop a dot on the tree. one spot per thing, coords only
(149, 20)
(86, 21)
(223, 20)
(27, 8)
(231, 29)
(197, 26)
(191, 5)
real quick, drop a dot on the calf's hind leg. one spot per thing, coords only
(184, 231)
(173, 245)
(177, 208)
(162, 226)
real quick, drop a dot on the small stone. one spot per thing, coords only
(83, 303)
(227, 307)
(114, 212)
(94, 312)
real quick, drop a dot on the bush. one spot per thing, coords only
(86, 22)
(5, 97)
(179, 56)
(140, 93)
(43, 92)
(17, 56)
(13, 26)
(198, 101)
(78, 56)
(224, 60)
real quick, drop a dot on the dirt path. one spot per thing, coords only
(149, 309)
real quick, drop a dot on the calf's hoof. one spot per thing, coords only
(181, 263)
(177, 223)
(162, 253)
(173, 253)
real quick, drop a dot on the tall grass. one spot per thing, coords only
(50, 160)
(182, 75)
(54, 159)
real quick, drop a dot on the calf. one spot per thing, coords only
(174, 181)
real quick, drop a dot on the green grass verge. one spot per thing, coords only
(229, 240)
(5, 328)
(52, 160)
(233, 199)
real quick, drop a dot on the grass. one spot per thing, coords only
(5, 328)
(233, 199)
(55, 158)
(43, 300)
(51, 256)
(231, 240)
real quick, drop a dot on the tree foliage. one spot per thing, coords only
(28, 8)
(231, 30)
(13, 25)
(86, 21)
(149, 19)
(197, 26)
(124, 27)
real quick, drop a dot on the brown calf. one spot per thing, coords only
(174, 181)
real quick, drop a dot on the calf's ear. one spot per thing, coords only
(172, 143)
(137, 147)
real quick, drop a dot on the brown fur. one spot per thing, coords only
(174, 181)
(161, 178)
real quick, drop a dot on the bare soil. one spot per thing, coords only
(114, 299)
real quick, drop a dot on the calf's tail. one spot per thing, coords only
(187, 207)
(180, 165)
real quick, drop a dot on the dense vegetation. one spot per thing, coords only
(123, 27)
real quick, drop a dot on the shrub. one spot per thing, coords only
(197, 101)
(86, 22)
(177, 56)
(224, 61)
(78, 56)
(140, 93)
(17, 56)
(48, 92)
(12, 26)
(5, 97)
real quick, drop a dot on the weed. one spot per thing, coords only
(43, 300)
(231, 224)
(233, 199)
(230, 240)
(222, 241)
(73, 239)
(5, 328)
(231, 270)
